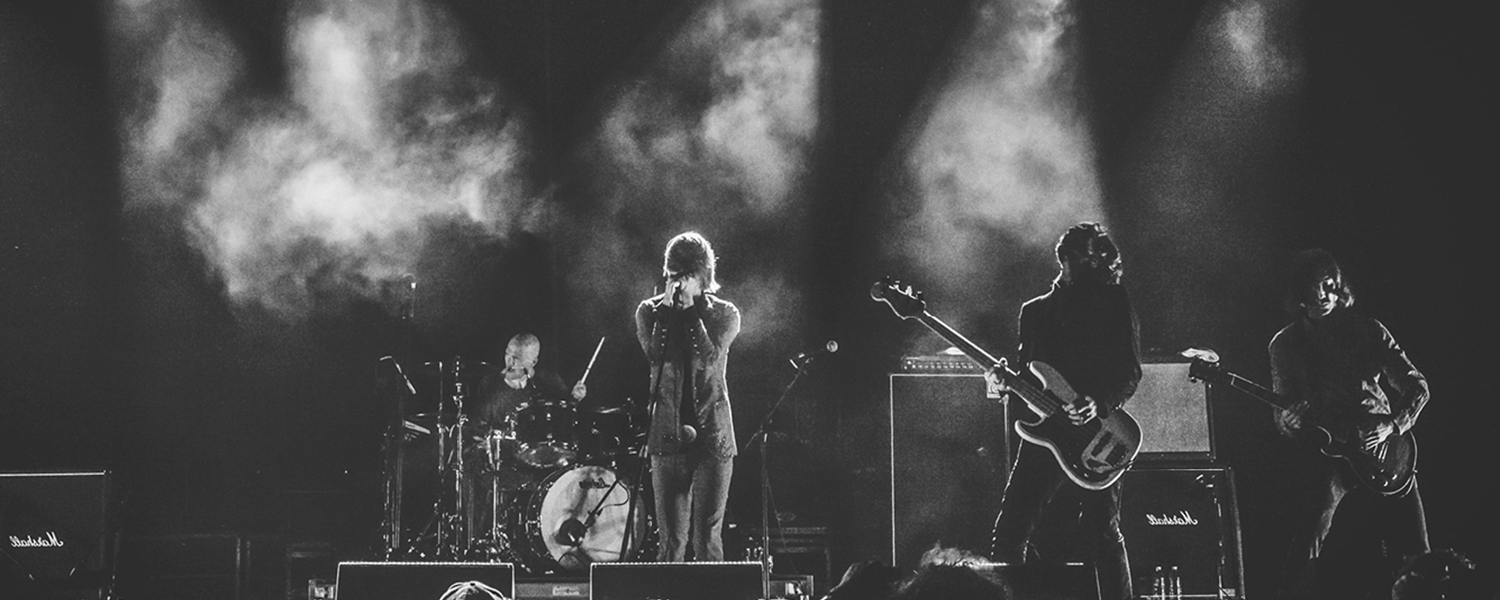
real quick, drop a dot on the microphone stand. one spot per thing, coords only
(643, 454)
(760, 437)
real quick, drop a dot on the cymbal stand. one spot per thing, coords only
(760, 437)
(450, 511)
(458, 521)
(392, 452)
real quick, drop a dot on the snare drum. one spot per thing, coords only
(545, 432)
(553, 530)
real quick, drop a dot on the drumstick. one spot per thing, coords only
(591, 360)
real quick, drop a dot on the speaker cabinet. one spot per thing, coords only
(54, 528)
(950, 457)
(679, 581)
(1173, 413)
(1187, 519)
(418, 580)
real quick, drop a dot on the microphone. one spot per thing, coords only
(802, 358)
(571, 532)
(410, 312)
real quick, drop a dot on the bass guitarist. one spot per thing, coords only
(1345, 373)
(1087, 330)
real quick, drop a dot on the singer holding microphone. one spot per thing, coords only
(686, 332)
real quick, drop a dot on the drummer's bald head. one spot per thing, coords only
(524, 340)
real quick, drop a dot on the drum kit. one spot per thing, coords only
(549, 488)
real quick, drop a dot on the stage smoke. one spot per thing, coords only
(1001, 164)
(714, 136)
(378, 135)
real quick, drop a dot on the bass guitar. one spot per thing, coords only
(1093, 454)
(1387, 468)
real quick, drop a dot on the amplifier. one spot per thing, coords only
(418, 580)
(948, 364)
(678, 581)
(55, 527)
(950, 457)
(1183, 520)
(1174, 414)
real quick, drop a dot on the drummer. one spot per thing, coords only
(504, 391)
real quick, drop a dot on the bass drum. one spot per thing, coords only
(576, 518)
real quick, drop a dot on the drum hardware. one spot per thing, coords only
(392, 455)
(575, 516)
(448, 530)
(545, 429)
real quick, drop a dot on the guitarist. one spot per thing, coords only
(1086, 329)
(1345, 373)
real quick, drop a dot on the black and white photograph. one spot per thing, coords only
(746, 299)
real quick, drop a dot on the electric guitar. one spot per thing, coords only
(1094, 455)
(1386, 469)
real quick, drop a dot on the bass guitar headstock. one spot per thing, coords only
(907, 303)
(1205, 366)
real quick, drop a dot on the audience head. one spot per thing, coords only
(949, 574)
(472, 590)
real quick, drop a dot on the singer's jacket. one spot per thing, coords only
(689, 349)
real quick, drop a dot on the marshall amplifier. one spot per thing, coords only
(678, 581)
(1181, 525)
(418, 580)
(54, 529)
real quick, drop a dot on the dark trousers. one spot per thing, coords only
(1034, 481)
(1399, 522)
(692, 490)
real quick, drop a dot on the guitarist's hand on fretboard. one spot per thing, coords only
(995, 382)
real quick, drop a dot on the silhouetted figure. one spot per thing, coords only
(1345, 374)
(1086, 328)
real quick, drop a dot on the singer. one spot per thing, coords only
(686, 332)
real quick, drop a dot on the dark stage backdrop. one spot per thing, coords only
(123, 348)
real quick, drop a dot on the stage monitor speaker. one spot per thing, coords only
(55, 527)
(1187, 519)
(678, 581)
(1176, 422)
(950, 456)
(418, 580)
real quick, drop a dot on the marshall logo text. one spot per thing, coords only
(1182, 518)
(49, 541)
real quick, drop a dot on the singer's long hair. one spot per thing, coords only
(691, 253)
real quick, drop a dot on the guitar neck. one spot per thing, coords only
(1256, 390)
(1032, 395)
(970, 349)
